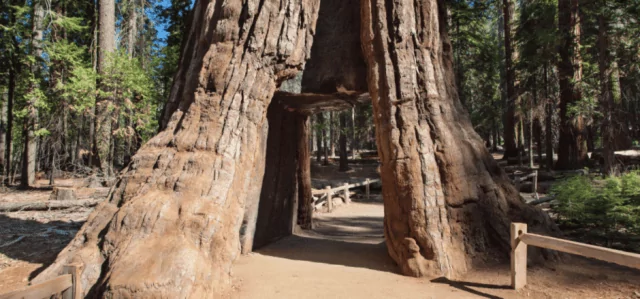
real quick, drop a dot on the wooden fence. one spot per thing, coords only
(67, 285)
(520, 239)
(328, 192)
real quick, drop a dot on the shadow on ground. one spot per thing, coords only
(467, 287)
(334, 252)
(34, 241)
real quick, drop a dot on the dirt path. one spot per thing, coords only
(345, 257)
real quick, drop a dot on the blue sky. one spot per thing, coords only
(162, 28)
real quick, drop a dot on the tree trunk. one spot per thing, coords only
(320, 120)
(30, 147)
(304, 215)
(183, 195)
(9, 135)
(104, 101)
(572, 149)
(132, 28)
(530, 137)
(510, 145)
(344, 163)
(548, 121)
(3, 135)
(447, 202)
(607, 96)
(332, 135)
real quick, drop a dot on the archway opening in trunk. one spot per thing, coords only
(333, 79)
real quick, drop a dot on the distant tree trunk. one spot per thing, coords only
(319, 152)
(91, 119)
(531, 121)
(305, 206)
(30, 147)
(353, 133)
(80, 133)
(332, 135)
(3, 135)
(572, 149)
(510, 145)
(132, 28)
(548, 121)
(104, 103)
(11, 92)
(608, 96)
(447, 202)
(496, 137)
(344, 164)
(326, 140)
(181, 200)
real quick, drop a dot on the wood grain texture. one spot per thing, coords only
(619, 257)
(42, 290)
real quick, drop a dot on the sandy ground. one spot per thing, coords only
(345, 257)
(31, 240)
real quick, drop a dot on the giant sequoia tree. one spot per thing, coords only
(183, 210)
(572, 149)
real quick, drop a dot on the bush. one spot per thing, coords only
(608, 207)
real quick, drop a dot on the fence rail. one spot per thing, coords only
(520, 239)
(66, 284)
(328, 192)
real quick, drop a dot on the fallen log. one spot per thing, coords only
(542, 200)
(47, 205)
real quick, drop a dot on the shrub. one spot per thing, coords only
(608, 207)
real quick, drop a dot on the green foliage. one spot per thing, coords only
(608, 206)
(477, 51)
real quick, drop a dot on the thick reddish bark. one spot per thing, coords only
(180, 214)
(572, 148)
(170, 227)
(447, 203)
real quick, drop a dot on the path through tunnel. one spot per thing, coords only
(333, 79)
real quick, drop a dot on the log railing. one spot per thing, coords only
(329, 192)
(520, 239)
(67, 285)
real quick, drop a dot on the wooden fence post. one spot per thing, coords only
(329, 199)
(347, 198)
(75, 292)
(518, 256)
(367, 188)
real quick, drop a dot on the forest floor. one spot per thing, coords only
(343, 257)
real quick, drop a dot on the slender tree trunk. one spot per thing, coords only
(3, 134)
(446, 202)
(9, 136)
(531, 121)
(104, 101)
(320, 119)
(353, 133)
(344, 155)
(332, 135)
(572, 149)
(607, 96)
(91, 117)
(132, 30)
(305, 205)
(510, 145)
(182, 198)
(30, 147)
